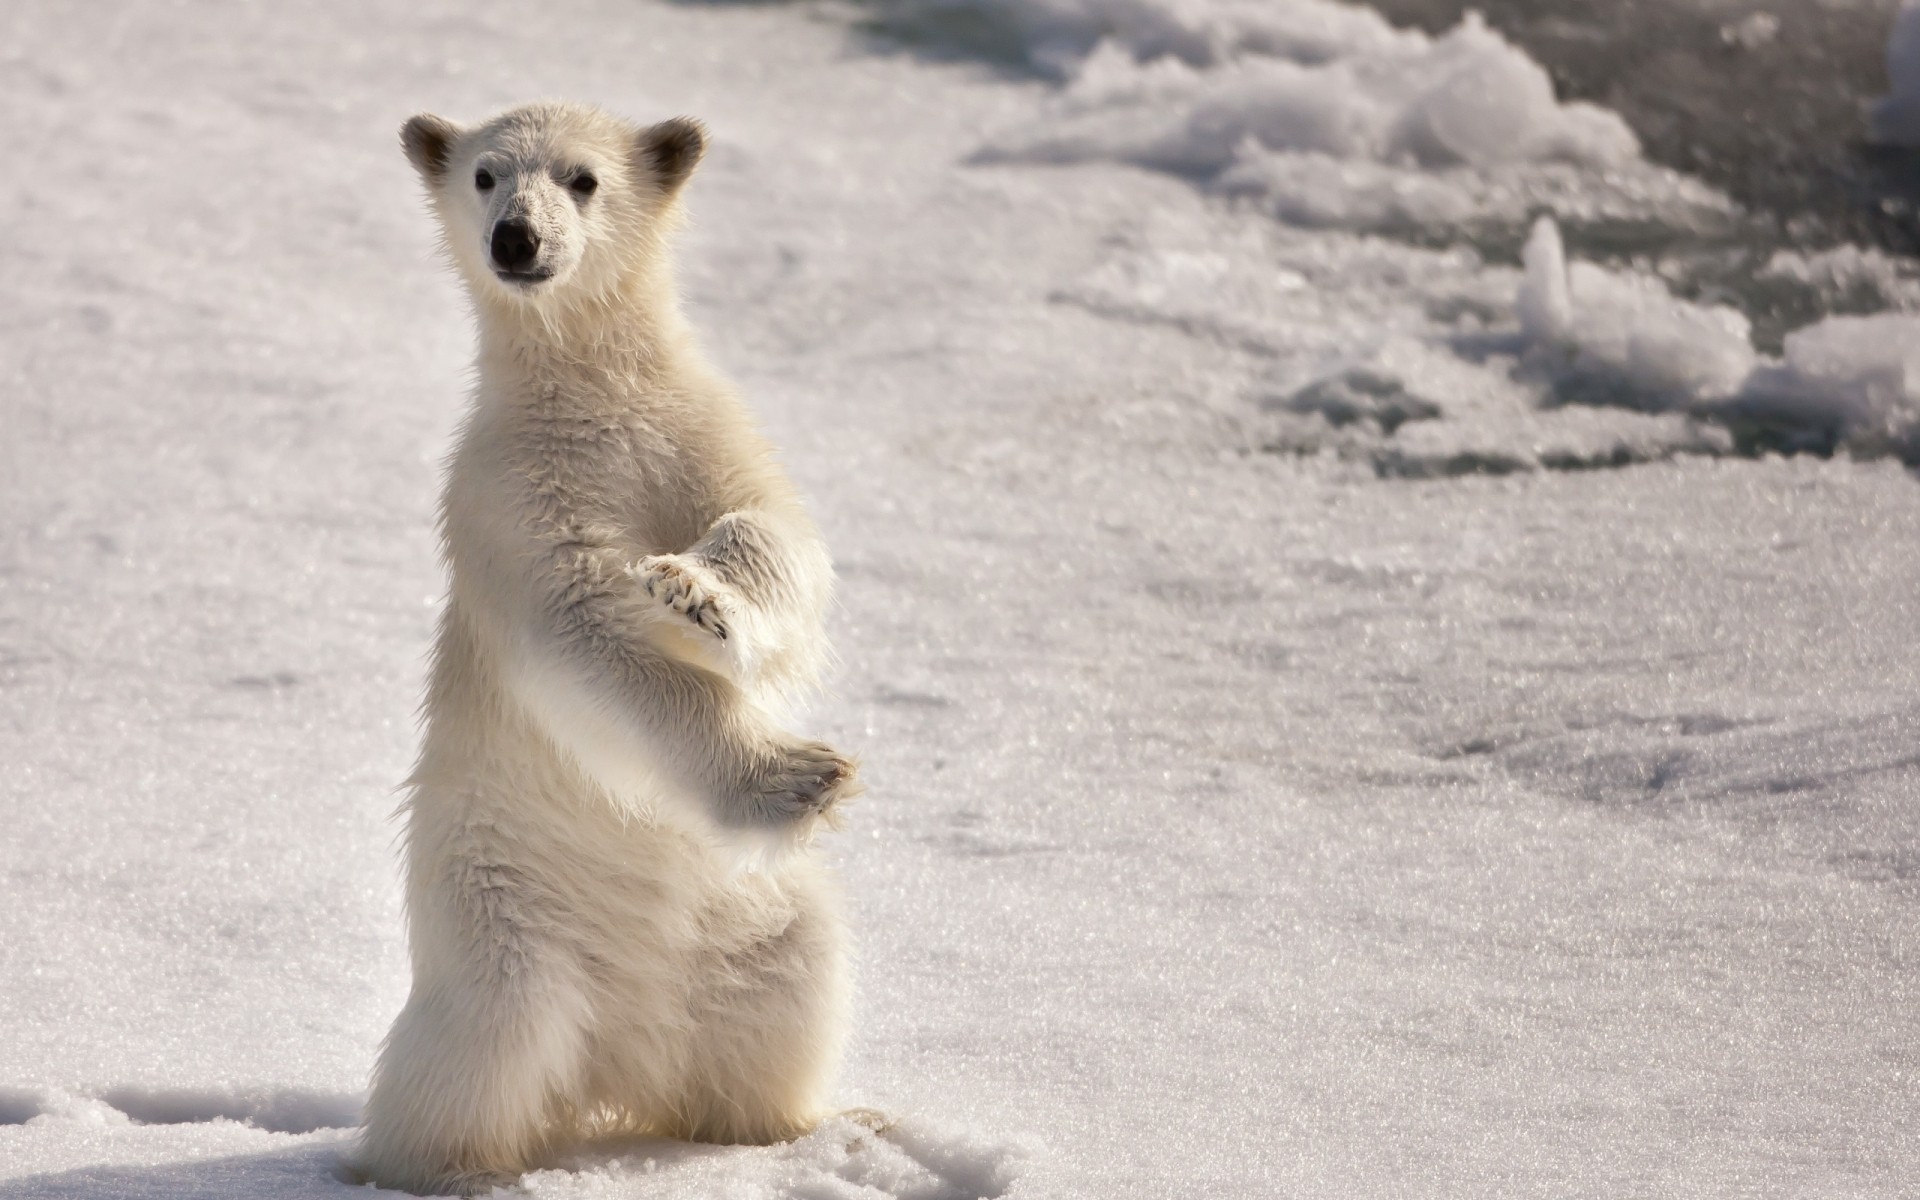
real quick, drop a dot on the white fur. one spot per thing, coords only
(597, 758)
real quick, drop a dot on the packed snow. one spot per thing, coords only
(1288, 774)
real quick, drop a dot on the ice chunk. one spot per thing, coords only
(1480, 101)
(1846, 382)
(1469, 98)
(1621, 337)
(1895, 118)
(1847, 279)
(1602, 336)
(1324, 116)
(1546, 307)
(1881, 354)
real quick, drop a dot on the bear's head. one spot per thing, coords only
(549, 200)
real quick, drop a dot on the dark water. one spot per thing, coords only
(1777, 122)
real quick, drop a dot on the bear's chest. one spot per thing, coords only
(636, 479)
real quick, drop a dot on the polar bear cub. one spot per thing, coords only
(635, 591)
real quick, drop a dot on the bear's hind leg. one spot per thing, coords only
(471, 1081)
(769, 1031)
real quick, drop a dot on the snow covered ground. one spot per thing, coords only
(1288, 775)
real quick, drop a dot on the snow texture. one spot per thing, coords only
(1290, 773)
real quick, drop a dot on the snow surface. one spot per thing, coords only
(1286, 779)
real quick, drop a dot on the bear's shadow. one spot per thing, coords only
(905, 1164)
(296, 1173)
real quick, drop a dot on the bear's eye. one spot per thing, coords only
(583, 184)
(483, 179)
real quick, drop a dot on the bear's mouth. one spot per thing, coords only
(523, 279)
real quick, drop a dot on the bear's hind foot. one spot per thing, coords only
(806, 779)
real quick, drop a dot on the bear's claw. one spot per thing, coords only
(685, 588)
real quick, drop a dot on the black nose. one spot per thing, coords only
(514, 245)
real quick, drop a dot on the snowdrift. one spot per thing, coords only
(1325, 118)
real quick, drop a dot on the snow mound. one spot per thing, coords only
(80, 1146)
(277, 1110)
(20, 1105)
(1846, 382)
(1622, 335)
(1895, 117)
(1468, 98)
(1320, 114)
(841, 1160)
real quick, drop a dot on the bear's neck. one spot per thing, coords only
(633, 334)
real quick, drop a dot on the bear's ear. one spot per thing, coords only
(428, 141)
(672, 149)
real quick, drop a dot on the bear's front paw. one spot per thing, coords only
(806, 779)
(688, 590)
